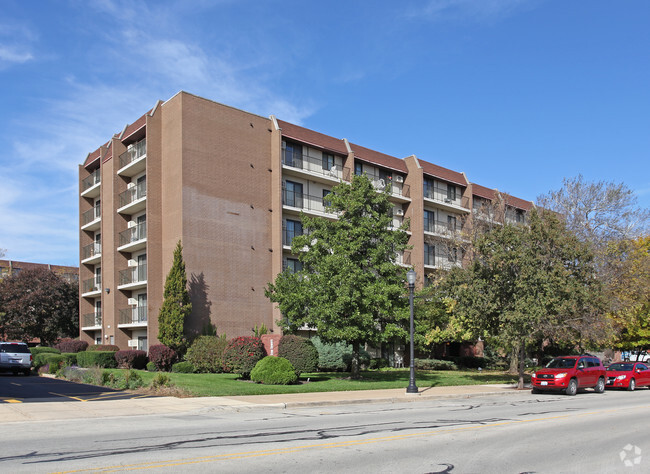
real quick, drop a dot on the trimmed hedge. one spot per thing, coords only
(102, 348)
(206, 353)
(162, 356)
(44, 358)
(184, 367)
(71, 345)
(43, 350)
(70, 358)
(434, 364)
(274, 371)
(104, 359)
(241, 355)
(132, 359)
(300, 351)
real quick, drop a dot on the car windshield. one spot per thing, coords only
(561, 363)
(14, 348)
(623, 367)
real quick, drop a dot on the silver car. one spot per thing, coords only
(15, 356)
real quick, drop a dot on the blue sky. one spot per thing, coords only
(516, 93)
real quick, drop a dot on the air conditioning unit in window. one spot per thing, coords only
(399, 211)
(132, 262)
(130, 224)
(399, 178)
(133, 343)
(133, 302)
(130, 185)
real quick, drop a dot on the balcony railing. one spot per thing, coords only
(304, 201)
(312, 164)
(288, 235)
(90, 181)
(92, 319)
(440, 194)
(394, 188)
(445, 228)
(135, 152)
(133, 234)
(134, 315)
(91, 250)
(134, 193)
(92, 284)
(90, 215)
(131, 275)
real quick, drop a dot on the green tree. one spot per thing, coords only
(350, 288)
(38, 304)
(176, 305)
(528, 283)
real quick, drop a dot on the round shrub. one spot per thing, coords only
(241, 355)
(103, 348)
(184, 367)
(71, 345)
(206, 353)
(133, 359)
(162, 356)
(151, 367)
(43, 350)
(274, 371)
(105, 359)
(300, 351)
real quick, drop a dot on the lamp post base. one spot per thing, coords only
(412, 389)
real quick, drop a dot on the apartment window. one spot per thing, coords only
(519, 215)
(451, 223)
(293, 194)
(451, 192)
(358, 168)
(428, 188)
(429, 254)
(141, 272)
(326, 202)
(328, 161)
(292, 265)
(429, 221)
(293, 229)
(453, 255)
(387, 176)
(142, 343)
(292, 154)
(98, 207)
(98, 340)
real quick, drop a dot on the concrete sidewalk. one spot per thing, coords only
(75, 410)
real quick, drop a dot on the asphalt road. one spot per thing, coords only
(513, 433)
(31, 389)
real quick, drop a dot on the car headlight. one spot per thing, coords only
(533, 375)
(621, 377)
(561, 376)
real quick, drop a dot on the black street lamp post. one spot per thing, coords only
(410, 277)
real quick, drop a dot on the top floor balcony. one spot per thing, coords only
(133, 160)
(328, 169)
(90, 185)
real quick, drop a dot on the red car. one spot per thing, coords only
(569, 373)
(629, 375)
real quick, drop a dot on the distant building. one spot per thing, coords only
(231, 186)
(12, 267)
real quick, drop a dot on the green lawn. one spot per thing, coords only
(216, 385)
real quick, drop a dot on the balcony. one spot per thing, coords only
(133, 317)
(90, 185)
(443, 199)
(133, 278)
(293, 201)
(133, 160)
(288, 236)
(398, 191)
(134, 238)
(443, 229)
(133, 199)
(92, 286)
(91, 321)
(91, 219)
(317, 168)
(91, 253)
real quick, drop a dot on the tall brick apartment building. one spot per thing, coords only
(230, 185)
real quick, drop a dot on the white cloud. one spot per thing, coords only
(467, 10)
(14, 54)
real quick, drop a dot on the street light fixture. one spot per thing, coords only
(410, 277)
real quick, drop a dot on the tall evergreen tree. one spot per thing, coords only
(176, 305)
(350, 288)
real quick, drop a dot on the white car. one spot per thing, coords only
(643, 356)
(15, 356)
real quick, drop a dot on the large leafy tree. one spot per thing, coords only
(350, 288)
(528, 283)
(176, 305)
(38, 304)
(630, 292)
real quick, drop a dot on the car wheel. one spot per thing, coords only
(600, 386)
(27, 371)
(632, 385)
(572, 388)
(535, 390)
(15, 372)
